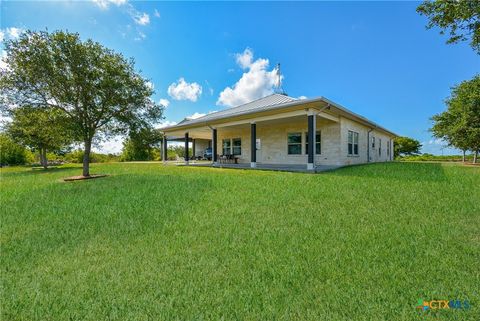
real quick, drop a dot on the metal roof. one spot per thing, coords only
(256, 105)
(271, 102)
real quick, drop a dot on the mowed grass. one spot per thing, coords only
(154, 242)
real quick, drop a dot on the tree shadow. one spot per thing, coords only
(400, 171)
(27, 171)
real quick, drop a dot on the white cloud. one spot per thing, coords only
(256, 82)
(183, 90)
(156, 13)
(140, 36)
(10, 33)
(302, 97)
(437, 146)
(198, 115)
(166, 123)
(164, 102)
(142, 19)
(245, 58)
(104, 4)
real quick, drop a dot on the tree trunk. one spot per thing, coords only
(475, 156)
(43, 158)
(463, 157)
(86, 157)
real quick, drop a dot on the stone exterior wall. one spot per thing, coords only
(334, 147)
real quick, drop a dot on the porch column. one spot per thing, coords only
(186, 148)
(253, 145)
(193, 149)
(311, 141)
(214, 145)
(164, 149)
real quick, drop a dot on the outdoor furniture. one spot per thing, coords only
(228, 159)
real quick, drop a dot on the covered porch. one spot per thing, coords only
(277, 141)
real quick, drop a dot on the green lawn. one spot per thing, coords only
(154, 242)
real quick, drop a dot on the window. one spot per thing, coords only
(373, 142)
(352, 143)
(388, 148)
(294, 143)
(237, 146)
(226, 146)
(379, 147)
(318, 142)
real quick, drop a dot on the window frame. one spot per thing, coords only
(353, 148)
(229, 141)
(233, 146)
(294, 144)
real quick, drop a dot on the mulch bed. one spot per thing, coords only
(81, 177)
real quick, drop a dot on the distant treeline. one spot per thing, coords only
(438, 158)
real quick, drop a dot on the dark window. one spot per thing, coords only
(318, 142)
(237, 146)
(373, 142)
(352, 143)
(226, 146)
(294, 143)
(379, 147)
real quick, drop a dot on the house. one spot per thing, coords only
(278, 129)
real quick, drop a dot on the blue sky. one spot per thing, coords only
(375, 58)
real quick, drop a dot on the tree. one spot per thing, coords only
(43, 129)
(140, 144)
(459, 125)
(98, 89)
(11, 153)
(406, 146)
(460, 17)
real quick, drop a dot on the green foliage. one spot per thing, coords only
(460, 17)
(459, 125)
(12, 153)
(406, 146)
(98, 89)
(153, 242)
(142, 145)
(41, 129)
(177, 151)
(76, 156)
(434, 158)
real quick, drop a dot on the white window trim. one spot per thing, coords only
(353, 144)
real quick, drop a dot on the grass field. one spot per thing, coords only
(153, 242)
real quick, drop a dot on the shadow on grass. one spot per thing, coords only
(26, 171)
(396, 171)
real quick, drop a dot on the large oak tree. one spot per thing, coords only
(461, 18)
(98, 89)
(459, 125)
